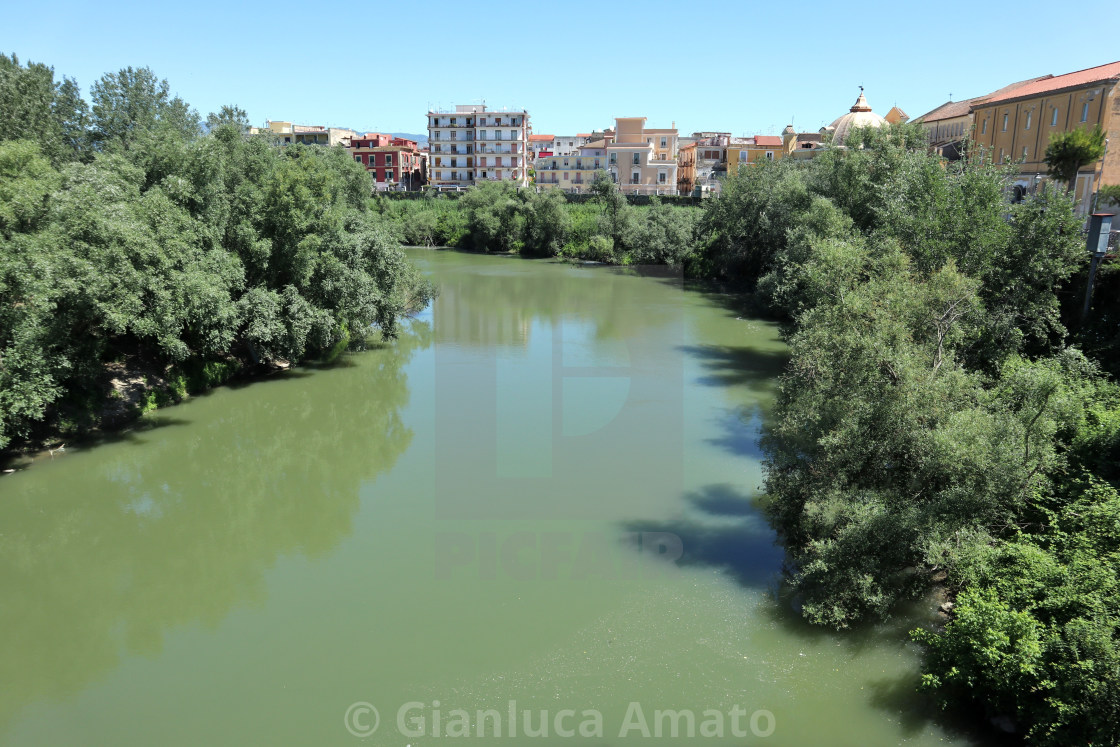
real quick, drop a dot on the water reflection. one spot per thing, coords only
(106, 550)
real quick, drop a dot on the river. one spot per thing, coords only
(539, 498)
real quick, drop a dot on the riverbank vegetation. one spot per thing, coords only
(141, 258)
(939, 425)
(497, 217)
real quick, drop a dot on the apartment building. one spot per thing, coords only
(1017, 126)
(642, 160)
(393, 162)
(473, 144)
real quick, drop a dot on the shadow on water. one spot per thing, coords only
(728, 365)
(725, 531)
(111, 548)
(740, 428)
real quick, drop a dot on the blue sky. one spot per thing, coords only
(730, 66)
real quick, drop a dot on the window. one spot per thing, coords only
(1005, 121)
(614, 158)
(454, 161)
(664, 141)
(1001, 155)
(437, 134)
(1085, 112)
(1024, 152)
(453, 120)
(660, 177)
(742, 156)
(1028, 122)
(454, 134)
(637, 158)
(388, 159)
(1054, 117)
(635, 177)
(984, 127)
(769, 155)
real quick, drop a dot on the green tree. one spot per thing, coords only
(1069, 151)
(229, 114)
(133, 103)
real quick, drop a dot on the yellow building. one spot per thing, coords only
(791, 144)
(1016, 126)
(949, 125)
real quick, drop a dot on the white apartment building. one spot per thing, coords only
(474, 144)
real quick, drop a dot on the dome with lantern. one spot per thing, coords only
(860, 115)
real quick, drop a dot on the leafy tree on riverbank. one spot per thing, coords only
(170, 249)
(933, 426)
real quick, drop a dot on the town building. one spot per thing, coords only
(897, 116)
(566, 145)
(393, 162)
(686, 167)
(642, 160)
(753, 149)
(540, 145)
(572, 173)
(473, 144)
(287, 133)
(949, 125)
(1016, 126)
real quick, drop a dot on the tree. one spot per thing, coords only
(1069, 151)
(132, 103)
(229, 114)
(33, 106)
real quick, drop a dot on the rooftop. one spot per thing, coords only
(767, 140)
(1051, 83)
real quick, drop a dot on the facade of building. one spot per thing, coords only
(474, 144)
(949, 125)
(572, 173)
(287, 133)
(540, 145)
(749, 150)
(393, 162)
(1016, 126)
(642, 160)
(686, 167)
(567, 145)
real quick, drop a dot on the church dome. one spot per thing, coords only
(860, 115)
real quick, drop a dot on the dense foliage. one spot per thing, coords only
(936, 425)
(498, 217)
(129, 239)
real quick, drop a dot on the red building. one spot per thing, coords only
(393, 162)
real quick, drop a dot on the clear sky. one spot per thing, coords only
(729, 66)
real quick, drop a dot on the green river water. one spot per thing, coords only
(539, 498)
